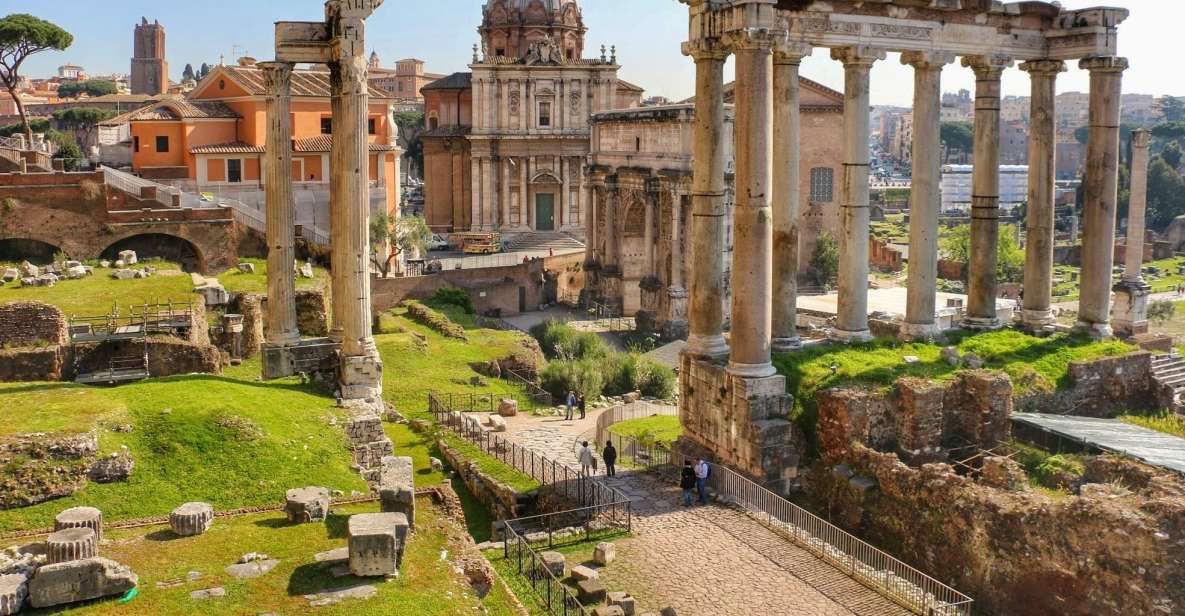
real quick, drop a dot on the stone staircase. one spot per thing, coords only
(542, 241)
(1168, 371)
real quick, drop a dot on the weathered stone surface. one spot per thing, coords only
(124, 274)
(10, 275)
(213, 293)
(581, 572)
(604, 553)
(115, 467)
(362, 591)
(508, 407)
(79, 580)
(624, 601)
(28, 270)
(590, 591)
(70, 544)
(306, 270)
(252, 569)
(208, 593)
(397, 488)
(668, 611)
(497, 424)
(609, 610)
(437, 465)
(247, 268)
(1004, 473)
(334, 555)
(555, 563)
(78, 271)
(310, 504)
(127, 256)
(191, 519)
(84, 517)
(13, 589)
(376, 542)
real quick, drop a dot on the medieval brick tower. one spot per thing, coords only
(150, 70)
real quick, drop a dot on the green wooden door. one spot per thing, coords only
(545, 212)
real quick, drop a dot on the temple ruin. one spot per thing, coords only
(338, 42)
(732, 401)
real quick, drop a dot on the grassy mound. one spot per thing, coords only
(661, 429)
(239, 282)
(98, 294)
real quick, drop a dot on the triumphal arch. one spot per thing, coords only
(732, 402)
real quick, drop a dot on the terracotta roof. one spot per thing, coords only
(324, 143)
(304, 82)
(182, 109)
(234, 147)
(625, 85)
(456, 81)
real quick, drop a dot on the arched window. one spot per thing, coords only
(822, 184)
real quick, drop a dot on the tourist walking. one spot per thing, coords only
(609, 455)
(580, 404)
(687, 481)
(586, 459)
(702, 472)
(571, 402)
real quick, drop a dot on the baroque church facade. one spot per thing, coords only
(506, 143)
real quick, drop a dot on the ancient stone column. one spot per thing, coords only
(71, 544)
(612, 202)
(475, 201)
(1130, 314)
(787, 194)
(985, 194)
(361, 369)
(565, 194)
(706, 310)
(1038, 276)
(925, 196)
(488, 204)
(523, 206)
(1101, 189)
(676, 242)
(752, 260)
(590, 228)
(281, 214)
(504, 192)
(852, 318)
(648, 235)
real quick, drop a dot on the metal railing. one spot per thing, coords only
(866, 564)
(565, 480)
(538, 395)
(481, 261)
(554, 595)
(632, 410)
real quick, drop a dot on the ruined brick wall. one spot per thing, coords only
(167, 356)
(1113, 549)
(250, 306)
(921, 419)
(883, 257)
(30, 323)
(1100, 388)
(312, 313)
(742, 422)
(31, 364)
(496, 288)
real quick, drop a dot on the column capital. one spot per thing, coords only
(858, 55)
(927, 60)
(752, 39)
(1105, 64)
(1141, 138)
(706, 49)
(787, 52)
(277, 77)
(1043, 67)
(987, 66)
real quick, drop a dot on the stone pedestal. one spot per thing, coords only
(675, 327)
(191, 519)
(81, 517)
(397, 489)
(555, 563)
(739, 421)
(70, 544)
(376, 542)
(13, 590)
(1129, 315)
(309, 504)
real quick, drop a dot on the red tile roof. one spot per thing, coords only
(304, 82)
(234, 147)
(324, 143)
(182, 109)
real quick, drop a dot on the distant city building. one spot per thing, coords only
(1014, 143)
(150, 70)
(1015, 108)
(71, 72)
(956, 186)
(405, 80)
(655, 101)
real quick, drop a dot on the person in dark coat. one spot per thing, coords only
(580, 404)
(609, 455)
(687, 482)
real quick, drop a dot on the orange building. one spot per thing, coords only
(215, 137)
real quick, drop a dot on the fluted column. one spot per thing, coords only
(522, 193)
(985, 194)
(1037, 310)
(852, 318)
(1101, 189)
(706, 313)
(281, 215)
(648, 234)
(612, 201)
(787, 194)
(565, 194)
(752, 257)
(676, 281)
(1130, 313)
(361, 371)
(925, 196)
(592, 235)
(475, 193)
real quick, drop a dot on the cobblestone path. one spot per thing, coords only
(710, 560)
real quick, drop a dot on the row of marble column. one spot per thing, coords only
(492, 195)
(349, 213)
(767, 203)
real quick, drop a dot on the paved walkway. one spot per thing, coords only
(710, 560)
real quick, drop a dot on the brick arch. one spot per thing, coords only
(18, 249)
(199, 255)
(68, 231)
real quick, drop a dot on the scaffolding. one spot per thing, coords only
(133, 327)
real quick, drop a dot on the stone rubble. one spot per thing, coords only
(309, 504)
(14, 588)
(79, 580)
(191, 519)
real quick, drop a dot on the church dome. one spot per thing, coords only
(509, 27)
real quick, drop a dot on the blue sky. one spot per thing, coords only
(442, 32)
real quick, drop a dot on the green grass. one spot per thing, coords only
(427, 585)
(1162, 421)
(1035, 364)
(57, 407)
(576, 550)
(413, 368)
(490, 465)
(96, 295)
(663, 429)
(233, 443)
(239, 282)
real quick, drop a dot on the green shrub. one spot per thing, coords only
(621, 373)
(584, 376)
(1161, 311)
(434, 320)
(561, 341)
(655, 380)
(452, 296)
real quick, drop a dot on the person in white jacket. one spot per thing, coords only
(586, 458)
